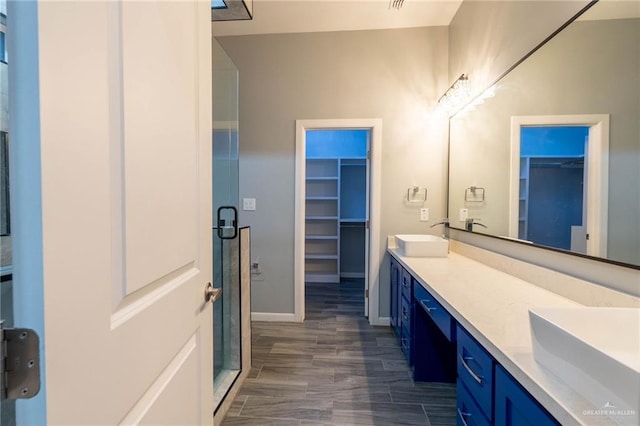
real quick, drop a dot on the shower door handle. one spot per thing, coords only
(222, 223)
(211, 294)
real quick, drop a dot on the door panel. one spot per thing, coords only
(125, 147)
(159, 104)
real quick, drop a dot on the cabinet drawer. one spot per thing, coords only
(468, 412)
(438, 314)
(406, 314)
(475, 370)
(515, 406)
(405, 344)
(405, 283)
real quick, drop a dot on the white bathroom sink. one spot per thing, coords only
(594, 350)
(422, 245)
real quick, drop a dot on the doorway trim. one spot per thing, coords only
(597, 165)
(372, 260)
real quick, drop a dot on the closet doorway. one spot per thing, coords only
(335, 194)
(539, 142)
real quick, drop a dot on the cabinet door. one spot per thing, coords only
(469, 414)
(514, 406)
(475, 370)
(394, 293)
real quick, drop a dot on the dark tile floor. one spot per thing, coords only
(335, 369)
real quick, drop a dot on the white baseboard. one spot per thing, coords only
(380, 321)
(351, 274)
(272, 317)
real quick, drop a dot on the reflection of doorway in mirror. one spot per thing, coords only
(559, 181)
(553, 189)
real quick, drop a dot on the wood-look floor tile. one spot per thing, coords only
(388, 341)
(373, 377)
(380, 352)
(309, 375)
(283, 360)
(432, 394)
(258, 421)
(254, 372)
(354, 363)
(236, 405)
(350, 391)
(395, 365)
(274, 388)
(345, 340)
(303, 348)
(363, 413)
(283, 408)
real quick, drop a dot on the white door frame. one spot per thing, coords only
(597, 164)
(372, 251)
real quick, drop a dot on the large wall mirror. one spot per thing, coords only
(553, 158)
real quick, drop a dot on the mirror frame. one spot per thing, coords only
(500, 77)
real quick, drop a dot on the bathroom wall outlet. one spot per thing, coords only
(256, 270)
(424, 214)
(464, 214)
(249, 204)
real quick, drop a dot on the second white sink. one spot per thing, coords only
(594, 350)
(422, 245)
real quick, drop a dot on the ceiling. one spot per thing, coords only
(298, 16)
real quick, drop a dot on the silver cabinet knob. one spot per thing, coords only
(211, 294)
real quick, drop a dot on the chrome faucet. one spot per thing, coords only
(470, 221)
(444, 222)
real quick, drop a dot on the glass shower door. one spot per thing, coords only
(226, 309)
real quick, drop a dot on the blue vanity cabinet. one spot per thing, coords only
(406, 315)
(514, 406)
(488, 395)
(434, 339)
(394, 296)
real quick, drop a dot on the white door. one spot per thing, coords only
(111, 127)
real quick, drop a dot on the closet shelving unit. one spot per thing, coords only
(325, 216)
(523, 200)
(322, 235)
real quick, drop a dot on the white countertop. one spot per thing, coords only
(493, 307)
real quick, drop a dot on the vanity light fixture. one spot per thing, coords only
(456, 96)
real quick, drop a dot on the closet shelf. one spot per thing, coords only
(322, 178)
(321, 217)
(322, 198)
(321, 237)
(321, 256)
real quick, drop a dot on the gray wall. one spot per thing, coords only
(395, 75)
(487, 37)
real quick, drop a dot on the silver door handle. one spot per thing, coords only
(211, 294)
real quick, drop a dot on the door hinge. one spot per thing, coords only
(366, 293)
(19, 363)
(366, 224)
(368, 155)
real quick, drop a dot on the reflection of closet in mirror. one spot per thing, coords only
(552, 180)
(559, 168)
